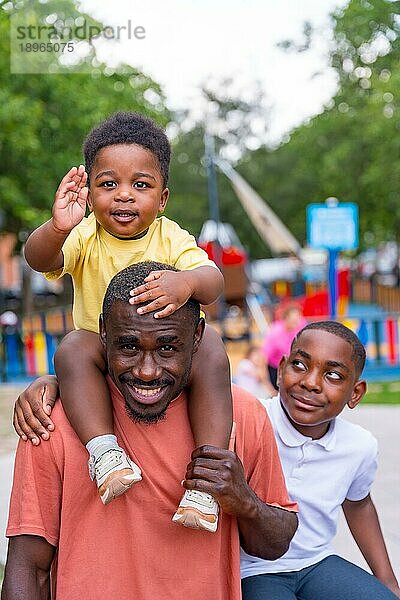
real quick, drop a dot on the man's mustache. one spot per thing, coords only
(154, 383)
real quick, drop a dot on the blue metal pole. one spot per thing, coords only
(332, 282)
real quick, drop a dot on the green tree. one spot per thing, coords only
(351, 150)
(45, 117)
(367, 60)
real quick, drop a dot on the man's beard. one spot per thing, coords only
(150, 419)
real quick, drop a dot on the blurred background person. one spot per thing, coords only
(251, 374)
(278, 340)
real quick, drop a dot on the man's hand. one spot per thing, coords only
(70, 202)
(265, 531)
(32, 409)
(167, 290)
(219, 472)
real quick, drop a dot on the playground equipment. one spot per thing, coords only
(28, 350)
(269, 226)
(222, 245)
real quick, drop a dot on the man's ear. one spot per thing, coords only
(282, 364)
(163, 200)
(358, 392)
(102, 330)
(198, 334)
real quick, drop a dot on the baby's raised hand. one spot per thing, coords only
(166, 290)
(69, 206)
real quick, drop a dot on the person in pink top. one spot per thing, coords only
(278, 340)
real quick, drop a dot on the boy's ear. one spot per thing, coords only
(163, 200)
(358, 392)
(198, 334)
(282, 364)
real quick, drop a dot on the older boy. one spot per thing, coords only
(328, 463)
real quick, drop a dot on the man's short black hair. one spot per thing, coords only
(340, 330)
(129, 128)
(131, 277)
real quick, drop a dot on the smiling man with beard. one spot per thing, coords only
(148, 380)
(131, 548)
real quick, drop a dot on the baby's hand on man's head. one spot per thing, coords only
(70, 202)
(165, 290)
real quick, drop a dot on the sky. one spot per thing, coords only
(185, 43)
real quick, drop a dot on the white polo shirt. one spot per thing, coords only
(320, 475)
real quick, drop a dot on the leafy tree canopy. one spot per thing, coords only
(45, 117)
(351, 150)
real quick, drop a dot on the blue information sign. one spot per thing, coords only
(333, 227)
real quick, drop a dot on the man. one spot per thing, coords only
(131, 548)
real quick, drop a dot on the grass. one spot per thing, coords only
(387, 392)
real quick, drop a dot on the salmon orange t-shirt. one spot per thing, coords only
(130, 549)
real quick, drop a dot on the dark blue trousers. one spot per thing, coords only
(331, 579)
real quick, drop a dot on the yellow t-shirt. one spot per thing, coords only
(92, 257)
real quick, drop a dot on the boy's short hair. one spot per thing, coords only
(131, 277)
(129, 128)
(340, 330)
